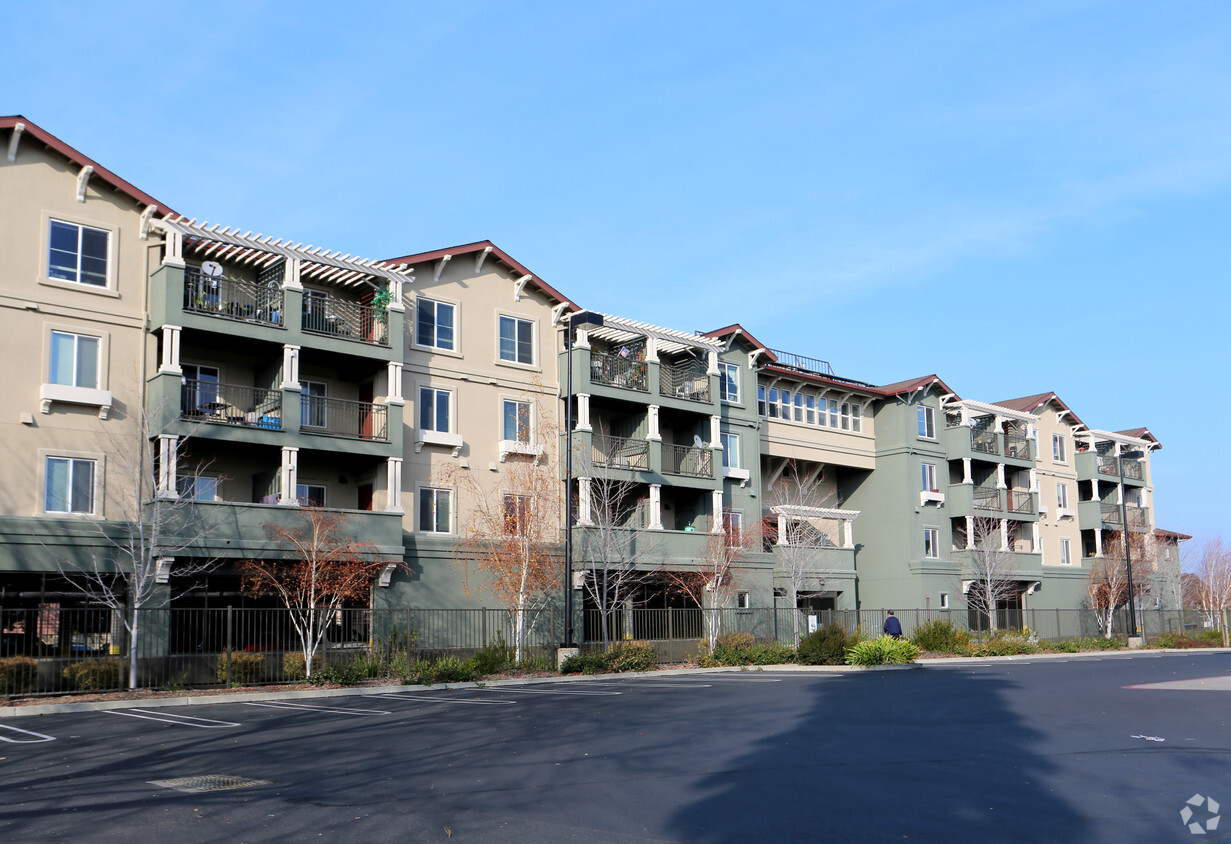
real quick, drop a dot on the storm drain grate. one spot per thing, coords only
(209, 782)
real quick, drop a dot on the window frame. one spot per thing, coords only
(305, 500)
(456, 327)
(729, 375)
(727, 438)
(305, 391)
(743, 600)
(76, 359)
(733, 519)
(934, 485)
(1062, 495)
(925, 416)
(523, 511)
(534, 339)
(762, 402)
(436, 493)
(436, 393)
(931, 541)
(944, 600)
(1059, 449)
(1066, 551)
(81, 227)
(504, 407)
(71, 458)
(215, 482)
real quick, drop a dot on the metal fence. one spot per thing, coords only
(232, 298)
(52, 650)
(345, 418)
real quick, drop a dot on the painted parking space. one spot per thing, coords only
(308, 707)
(16, 735)
(173, 718)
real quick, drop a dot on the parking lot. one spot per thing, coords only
(1024, 749)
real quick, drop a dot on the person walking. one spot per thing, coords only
(893, 627)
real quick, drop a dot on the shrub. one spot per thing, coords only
(1179, 640)
(17, 674)
(632, 656)
(246, 667)
(883, 651)
(341, 675)
(767, 654)
(586, 662)
(448, 669)
(95, 675)
(735, 641)
(494, 658)
(1211, 635)
(293, 665)
(827, 646)
(940, 636)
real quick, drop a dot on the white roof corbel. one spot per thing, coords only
(83, 179)
(440, 266)
(480, 258)
(146, 215)
(14, 139)
(519, 286)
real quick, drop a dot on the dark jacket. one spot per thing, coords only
(893, 627)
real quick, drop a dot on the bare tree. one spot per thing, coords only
(1167, 582)
(796, 525)
(1213, 571)
(991, 563)
(714, 583)
(149, 523)
(329, 568)
(1107, 590)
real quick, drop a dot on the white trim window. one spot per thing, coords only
(944, 600)
(743, 600)
(435, 324)
(311, 495)
(1062, 496)
(74, 360)
(435, 510)
(78, 253)
(850, 414)
(435, 410)
(810, 409)
(833, 412)
(772, 403)
(730, 450)
(517, 340)
(517, 422)
(931, 543)
(929, 478)
(1059, 452)
(728, 382)
(784, 404)
(761, 408)
(69, 485)
(517, 509)
(927, 421)
(733, 527)
(197, 487)
(314, 404)
(1066, 553)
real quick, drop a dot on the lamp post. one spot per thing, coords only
(582, 320)
(1128, 561)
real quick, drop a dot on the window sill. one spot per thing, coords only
(925, 497)
(101, 399)
(424, 437)
(508, 447)
(1066, 513)
(78, 286)
(434, 350)
(736, 473)
(512, 364)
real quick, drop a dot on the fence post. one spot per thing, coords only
(483, 627)
(670, 623)
(409, 637)
(227, 677)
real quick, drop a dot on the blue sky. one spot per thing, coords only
(1019, 197)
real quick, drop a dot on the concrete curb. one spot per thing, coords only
(1122, 652)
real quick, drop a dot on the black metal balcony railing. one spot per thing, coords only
(232, 298)
(1017, 446)
(1132, 469)
(344, 418)
(616, 371)
(986, 498)
(621, 453)
(1108, 464)
(1021, 501)
(802, 362)
(688, 460)
(209, 401)
(684, 382)
(983, 441)
(325, 314)
(1138, 518)
(1110, 514)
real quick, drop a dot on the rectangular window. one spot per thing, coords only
(310, 495)
(931, 542)
(760, 400)
(944, 600)
(799, 407)
(784, 400)
(846, 416)
(856, 418)
(773, 403)
(730, 451)
(69, 486)
(74, 360)
(929, 478)
(729, 381)
(743, 600)
(198, 488)
(927, 421)
(435, 324)
(1066, 553)
(733, 527)
(833, 413)
(314, 405)
(516, 425)
(517, 340)
(435, 409)
(516, 514)
(435, 506)
(1057, 448)
(1062, 495)
(78, 253)
(810, 410)
(200, 388)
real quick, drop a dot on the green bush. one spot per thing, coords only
(1211, 635)
(632, 656)
(448, 669)
(1179, 640)
(1088, 643)
(1001, 644)
(735, 641)
(293, 666)
(827, 646)
(586, 662)
(766, 654)
(17, 674)
(883, 651)
(246, 667)
(340, 675)
(940, 636)
(96, 675)
(494, 658)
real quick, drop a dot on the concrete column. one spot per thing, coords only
(970, 533)
(1034, 537)
(653, 420)
(175, 249)
(1098, 542)
(651, 350)
(583, 412)
(170, 362)
(1000, 481)
(716, 432)
(393, 478)
(713, 363)
(584, 499)
(1119, 493)
(1034, 480)
(289, 476)
(393, 390)
(782, 538)
(395, 295)
(583, 339)
(848, 533)
(290, 279)
(716, 507)
(656, 507)
(168, 454)
(290, 367)
(967, 478)
(1004, 534)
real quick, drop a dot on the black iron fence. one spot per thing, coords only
(687, 381)
(688, 460)
(617, 371)
(232, 298)
(209, 401)
(325, 314)
(344, 418)
(621, 453)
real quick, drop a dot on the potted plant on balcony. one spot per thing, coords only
(380, 309)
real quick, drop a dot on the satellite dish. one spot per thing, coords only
(696, 440)
(213, 269)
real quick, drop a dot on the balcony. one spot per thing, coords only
(1017, 446)
(344, 418)
(228, 298)
(989, 445)
(616, 371)
(1132, 470)
(986, 498)
(688, 382)
(1021, 502)
(344, 318)
(1108, 465)
(621, 453)
(983, 441)
(689, 461)
(209, 401)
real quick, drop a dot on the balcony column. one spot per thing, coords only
(290, 279)
(651, 350)
(393, 390)
(175, 249)
(583, 412)
(716, 432)
(583, 339)
(1119, 494)
(967, 478)
(168, 457)
(656, 506)
(1000, 481)
(1034, 480)
(395, 295)
(782, 537)
(716, 507)
(1034, 537)
(585, 498)
(970, 533)
(1098, 542)
(289, 476)
(712, 358)
(848, 533)
(290, 367)
(1004, 533)
(653, 433)
(170, 362)
(393, 478)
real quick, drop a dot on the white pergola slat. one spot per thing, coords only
(620, 330)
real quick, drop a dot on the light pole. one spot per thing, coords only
(583, 320)
(1128, 561)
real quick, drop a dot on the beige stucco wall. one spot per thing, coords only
(1052, 528)
(800, 441)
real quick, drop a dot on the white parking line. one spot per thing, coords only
(642, 684)
(169, 718)
(732, 678)
(575, 692)
(400, 696)
(277, 704)
(38, 737)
